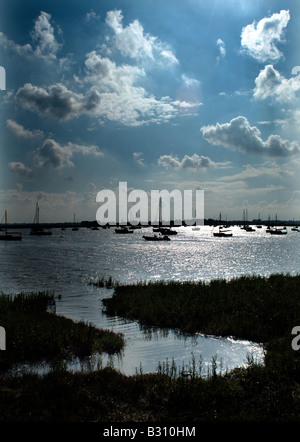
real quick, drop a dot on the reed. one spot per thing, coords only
(250, 307)
(35, 333)
(266, 392)
(104, 282)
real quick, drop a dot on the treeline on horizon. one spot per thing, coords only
(207, 222)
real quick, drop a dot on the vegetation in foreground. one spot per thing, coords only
(257, 393)
(34, 332)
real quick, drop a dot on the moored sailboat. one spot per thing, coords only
(156, 237)
(10, 236)
(163, 231)
(222, 233)
(36, 228)
(123, 230)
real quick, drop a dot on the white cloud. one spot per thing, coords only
(21, 132)
(222, 48)
(43, 34)
(271, 84)
(259, 39)
(195, 162)
(138, 158)
(106, 90)
(133, 42)
(22, 50)
(266, 170)
(45, 44)
(238, 134)
(109, 77)
(113, 94)
(122, 99)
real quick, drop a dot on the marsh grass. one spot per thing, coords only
(250, 307)
(268, 392)
(35, 333)
(108, 283)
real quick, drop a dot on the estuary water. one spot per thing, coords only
(68, 260)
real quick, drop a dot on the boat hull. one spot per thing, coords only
(156, 238)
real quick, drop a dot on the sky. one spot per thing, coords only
(161, 94)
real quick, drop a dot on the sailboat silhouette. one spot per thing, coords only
(10, 236)
(37, 229)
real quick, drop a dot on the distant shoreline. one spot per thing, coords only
(207, 222)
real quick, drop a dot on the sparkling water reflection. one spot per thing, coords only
(66, 261)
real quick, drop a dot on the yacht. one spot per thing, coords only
(10, 236)
(36, 228)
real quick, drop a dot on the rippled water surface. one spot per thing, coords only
(66, 262)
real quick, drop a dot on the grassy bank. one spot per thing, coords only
(249, 307)
(34, 333)
(262, 308)
(252, 394)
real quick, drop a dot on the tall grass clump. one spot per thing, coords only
(108, 283)
(34, 333)
(250, 307)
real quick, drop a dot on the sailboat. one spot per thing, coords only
(222, 233)
(277, 230)
(75, 228)
(123, 230)
(163, 232)
(246, 226)
(37, 229)
(156, 237)
(10, 236)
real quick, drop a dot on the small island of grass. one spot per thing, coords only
(249, 307)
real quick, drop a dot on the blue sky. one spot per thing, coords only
(162, 94)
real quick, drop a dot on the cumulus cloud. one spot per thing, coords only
(271, 84)
(21, 170)
(43, 35)
(107, 90)
(112, 95)
(238, 134)
(21, 132)
(53, 155)
(57, 102)
(259, 39)
(22, 50)
(45, 44)
(133, 42)
(121, 98)
(104, 73)
(188, 162)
